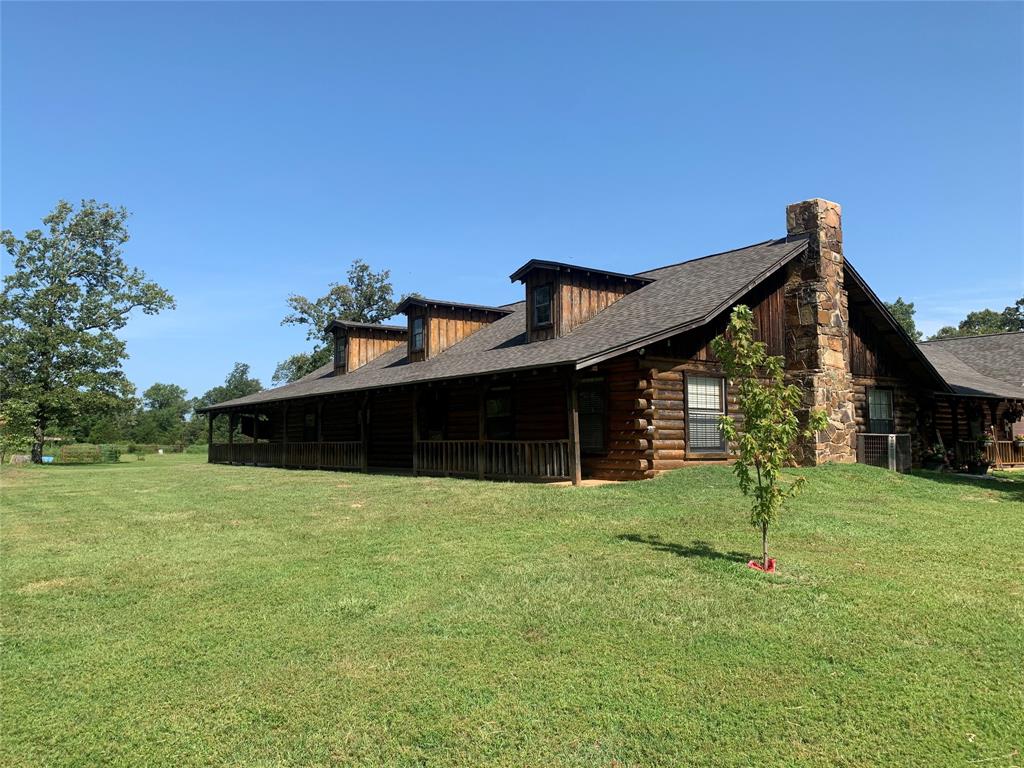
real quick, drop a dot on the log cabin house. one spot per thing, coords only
(610, 375)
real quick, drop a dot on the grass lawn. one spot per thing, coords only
(170, 612)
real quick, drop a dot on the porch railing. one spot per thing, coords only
(1000, 452)
(343, 455)
(502, 459)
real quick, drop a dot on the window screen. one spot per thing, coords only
(705, 401)
(591, 396)
(880, 411)
(417, 334)
(542, 305)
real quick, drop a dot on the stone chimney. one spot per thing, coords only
(818, 330)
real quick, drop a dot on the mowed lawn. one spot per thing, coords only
(170, 612)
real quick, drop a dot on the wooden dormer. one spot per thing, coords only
(561, 297)
(356, 344)
(436, 325)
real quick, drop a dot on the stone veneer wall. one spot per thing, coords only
(818, 331)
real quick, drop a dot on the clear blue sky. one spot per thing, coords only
(263, 147)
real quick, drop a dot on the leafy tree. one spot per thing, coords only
(770, 423)
(162, 419)
(367, 297)
(16, 426)
(237, 384)
(986, 321)
(903, 311)
(68, 292)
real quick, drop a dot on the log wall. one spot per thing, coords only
(629, 448)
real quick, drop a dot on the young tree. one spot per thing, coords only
(903, 311)
(770, 424)
(367, 297)
(67, 294)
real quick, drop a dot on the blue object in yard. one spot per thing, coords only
(47, 459)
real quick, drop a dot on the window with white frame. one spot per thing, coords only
(705, 405)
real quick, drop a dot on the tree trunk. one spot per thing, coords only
(37, 442)
(764, 545)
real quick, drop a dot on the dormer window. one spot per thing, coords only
(417, 334)
(542, 305)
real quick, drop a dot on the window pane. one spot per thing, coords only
(705, 404)
(704, 392)
(417, 334)
(542, 305)
(880, 411)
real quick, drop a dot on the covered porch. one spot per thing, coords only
(513, 427)
(981, 428)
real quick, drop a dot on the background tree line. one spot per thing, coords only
(976, 323)
(66, 293)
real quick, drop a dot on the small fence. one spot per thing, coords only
(893, 452)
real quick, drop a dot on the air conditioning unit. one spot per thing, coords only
(893, 452)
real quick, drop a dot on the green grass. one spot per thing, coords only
(170, 612)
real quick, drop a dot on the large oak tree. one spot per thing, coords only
(67, 293)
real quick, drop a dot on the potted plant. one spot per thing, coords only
(976, 463)
(1018, 441)
(934, 457)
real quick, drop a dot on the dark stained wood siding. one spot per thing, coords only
(871, 353)
(390, 429)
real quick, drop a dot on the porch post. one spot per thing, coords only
(993, 409)
(284, 434)
(954, 409)
(210, 416)
(481, 447)
(415, 431)
(364, 433)
(572, 403)
(231, 437)
(320, 433)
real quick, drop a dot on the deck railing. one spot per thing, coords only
(339, 455)
(1002, 452)
(502, 459)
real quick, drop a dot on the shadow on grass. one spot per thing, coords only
(1012, 488)
(696, 548)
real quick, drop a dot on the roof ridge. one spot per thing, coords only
(971, 336)
(772, 240)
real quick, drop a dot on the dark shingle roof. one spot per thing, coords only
(681, 296)
(990, 365)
